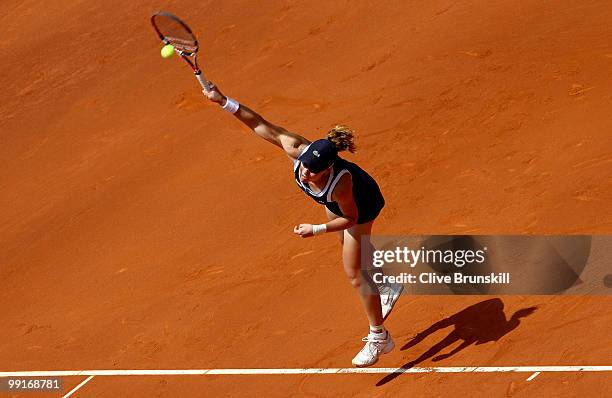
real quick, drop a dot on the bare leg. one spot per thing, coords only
(350, 240)
(360, 279)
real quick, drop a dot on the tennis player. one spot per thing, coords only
(352, 201)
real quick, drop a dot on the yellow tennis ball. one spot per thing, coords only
(167, 51)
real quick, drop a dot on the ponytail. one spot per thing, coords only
(342, 137)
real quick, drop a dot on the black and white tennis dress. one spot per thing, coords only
(366, 192)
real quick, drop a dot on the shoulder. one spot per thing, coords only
(294, 152)
(343, 187)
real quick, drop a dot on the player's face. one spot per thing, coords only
(308, 176)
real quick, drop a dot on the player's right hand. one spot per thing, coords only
(214, 94)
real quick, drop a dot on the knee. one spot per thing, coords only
(362, 283)
(355, 280)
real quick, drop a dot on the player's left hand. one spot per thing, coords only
(303, 230)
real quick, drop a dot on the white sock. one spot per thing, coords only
(377, 329)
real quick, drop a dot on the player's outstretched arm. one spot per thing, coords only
(291, 143)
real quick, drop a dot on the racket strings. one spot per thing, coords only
(175, 33)
(182, 44)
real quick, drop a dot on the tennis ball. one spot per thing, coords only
(167, 51)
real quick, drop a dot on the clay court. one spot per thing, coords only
(142, 228)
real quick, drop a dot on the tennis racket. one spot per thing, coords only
(172, 30)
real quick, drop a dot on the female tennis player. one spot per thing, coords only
(352, 202)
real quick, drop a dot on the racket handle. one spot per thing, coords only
(202, 80)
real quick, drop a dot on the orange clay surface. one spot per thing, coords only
(144, 228)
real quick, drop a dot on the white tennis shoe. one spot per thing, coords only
(374, 347)
(389, 294)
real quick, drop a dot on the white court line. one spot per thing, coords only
(296, 371)
(533, 376)
(77, 387)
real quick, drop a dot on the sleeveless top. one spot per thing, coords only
(366, 193)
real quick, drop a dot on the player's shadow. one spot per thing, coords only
(477, 324)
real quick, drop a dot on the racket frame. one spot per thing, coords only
(188, 56)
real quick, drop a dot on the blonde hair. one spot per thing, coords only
(342, 137)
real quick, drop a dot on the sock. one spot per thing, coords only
(377, 329)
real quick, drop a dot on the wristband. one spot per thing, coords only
(319, 229)
(231, 105)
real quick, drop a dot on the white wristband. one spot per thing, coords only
(231, 105)
(319, 229)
